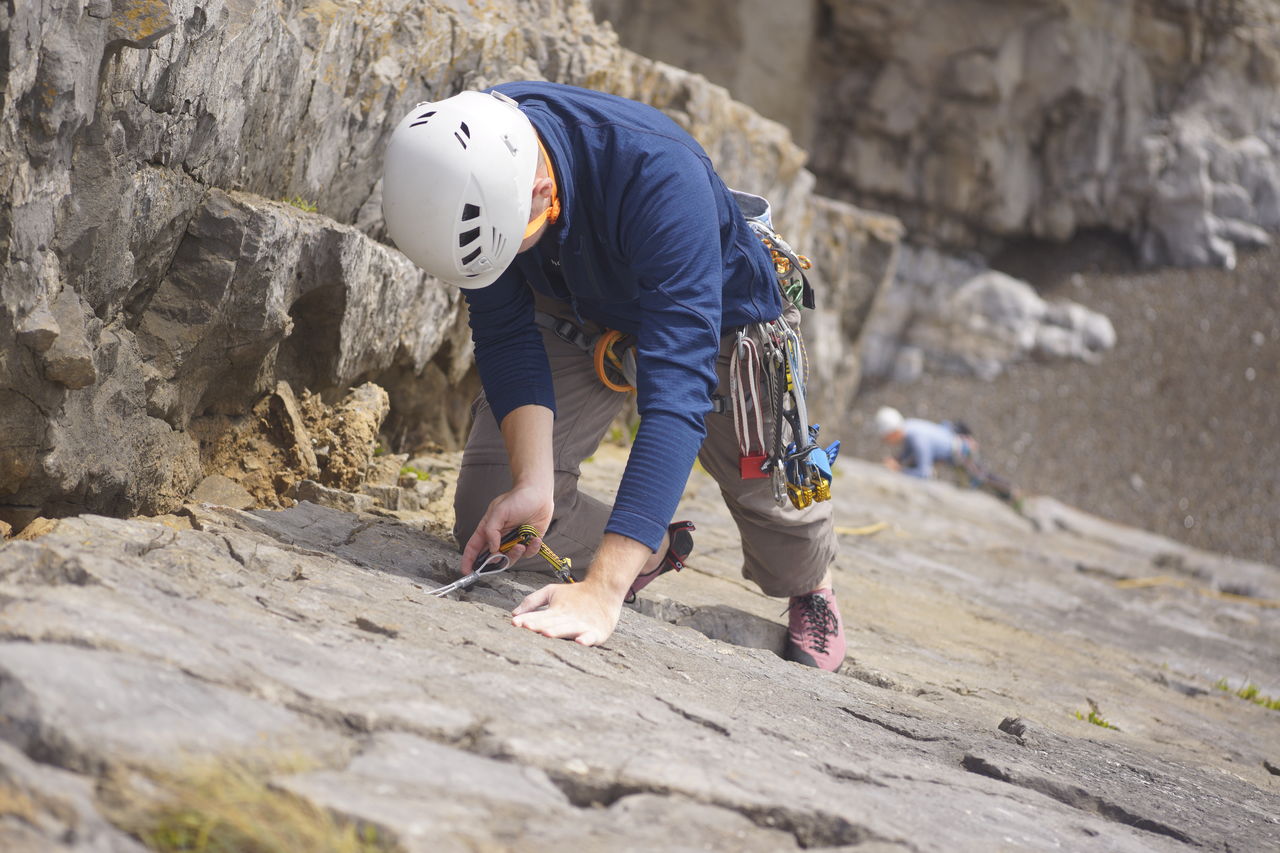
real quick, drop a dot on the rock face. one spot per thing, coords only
(980, 120)
(152, 275)
(305, 642)
(946, 315)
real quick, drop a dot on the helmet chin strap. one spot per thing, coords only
(552, 211)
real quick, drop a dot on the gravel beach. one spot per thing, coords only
(1177, 430)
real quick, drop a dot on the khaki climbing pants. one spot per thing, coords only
(785, 551)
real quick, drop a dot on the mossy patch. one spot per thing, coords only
(232, 807)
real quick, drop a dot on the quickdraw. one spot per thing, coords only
(798, 469)
(491, 564)
(744, 373)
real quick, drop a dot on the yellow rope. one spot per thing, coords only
(1182, 583)
(868, 530)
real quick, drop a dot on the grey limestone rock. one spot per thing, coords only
(435, 720)
(980, 120)
(47, 808)
(153, 274)
(311, 631)
(947, 314)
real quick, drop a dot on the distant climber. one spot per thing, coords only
(919, 445)
(564, 213)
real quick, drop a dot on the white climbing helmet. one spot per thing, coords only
(888, 420)
(457, 185)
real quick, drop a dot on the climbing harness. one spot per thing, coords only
(491, 564)
(768, 375)
(612, 352)
(770, 367)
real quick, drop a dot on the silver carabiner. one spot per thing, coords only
(488, 565)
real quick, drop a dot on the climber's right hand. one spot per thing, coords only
(528, 504)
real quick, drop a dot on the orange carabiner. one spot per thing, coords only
(604, 347)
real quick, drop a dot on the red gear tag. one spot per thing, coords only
(750, 466)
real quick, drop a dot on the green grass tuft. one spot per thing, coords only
(1095, 716)
(1249, 692)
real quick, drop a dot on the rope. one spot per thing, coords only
(1183, 583)
(866, 530)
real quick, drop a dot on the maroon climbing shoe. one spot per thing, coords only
(673, 561)
(815, 634)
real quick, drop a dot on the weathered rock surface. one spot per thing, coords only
(979, 120)
(975, 640)
(950, 315)
(152, 277)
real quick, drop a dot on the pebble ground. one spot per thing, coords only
(1177, 430)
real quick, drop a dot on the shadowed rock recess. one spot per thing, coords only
(217, 382)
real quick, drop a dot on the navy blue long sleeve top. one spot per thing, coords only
(650, 242)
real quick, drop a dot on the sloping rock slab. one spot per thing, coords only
(125, 643)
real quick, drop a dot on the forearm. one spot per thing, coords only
(657, 470)
(617, 562)
(527, 431)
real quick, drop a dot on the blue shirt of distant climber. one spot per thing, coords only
(649, 242)
(923, 444)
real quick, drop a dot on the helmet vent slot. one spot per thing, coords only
(471, 256)
(422, 119)
(468, 237)
(470, 211)
(463, 135)
(499, 242)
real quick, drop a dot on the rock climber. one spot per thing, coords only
(918, 445)
(564, 213)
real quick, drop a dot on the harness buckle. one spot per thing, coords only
(568, 331)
